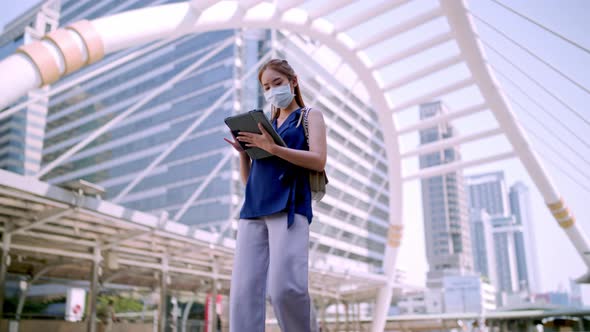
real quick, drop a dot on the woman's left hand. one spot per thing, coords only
(263, 141)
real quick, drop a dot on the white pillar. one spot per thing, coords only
(162, 308)
(91, 319)
(212, 307)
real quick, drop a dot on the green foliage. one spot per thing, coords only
(120, 304)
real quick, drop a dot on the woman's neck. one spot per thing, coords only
(289, 109)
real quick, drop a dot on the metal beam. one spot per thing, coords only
(43, 218)
(399, 28)
(328, 7)
(284, 5)
(365, 15)
(58, 238)
(135, 233)
(51, 251)
(442, 118)
(455, 166)
(425, 71)
(246, 5)
(199, 6)
(157, 267)
(452, 142)
(124, 238)
(114, 276)
(436, 93)
(420, 47)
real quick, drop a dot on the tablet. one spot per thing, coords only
(248, 122)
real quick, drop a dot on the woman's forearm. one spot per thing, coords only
(245, 164)
(307, 159)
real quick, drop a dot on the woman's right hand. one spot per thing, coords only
(235, 144)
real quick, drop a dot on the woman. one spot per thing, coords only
(273, 230)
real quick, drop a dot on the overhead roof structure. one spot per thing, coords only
(58, 232)
(66, 50)
(47, 223)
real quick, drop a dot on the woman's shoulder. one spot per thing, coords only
(314, 112)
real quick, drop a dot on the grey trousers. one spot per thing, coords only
(270, 258)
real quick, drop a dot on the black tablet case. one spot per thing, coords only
(248, 122)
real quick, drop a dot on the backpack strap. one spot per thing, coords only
(305, 116)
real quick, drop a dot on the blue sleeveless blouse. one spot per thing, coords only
(276, 185)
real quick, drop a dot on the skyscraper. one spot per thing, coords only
(488, 192)
(508, 227)
(482, 238)
(505, 230)
(526, 251)
(447, 235)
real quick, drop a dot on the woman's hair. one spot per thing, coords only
(282, 67)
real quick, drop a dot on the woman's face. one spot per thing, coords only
(271, 78)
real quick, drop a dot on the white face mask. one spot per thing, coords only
(280, 96)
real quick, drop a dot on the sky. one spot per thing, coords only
(563, 156)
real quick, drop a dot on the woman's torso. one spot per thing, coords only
(275, 185)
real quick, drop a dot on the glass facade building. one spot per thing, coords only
(350, 224)
(488, 192)
(505, 252)
(525, 242)
(447, 234)
(482, 239)
(507, 222)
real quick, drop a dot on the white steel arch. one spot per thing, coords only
(82, 43)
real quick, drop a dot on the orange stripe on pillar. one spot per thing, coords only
(73, 56)
(43, 60)
(91, 38)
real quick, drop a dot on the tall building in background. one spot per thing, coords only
(488, 192)
(502, 217)
(197, 183)
(528, 265)
(504, 231)
(488, 199)
(482, 239)
(447, 234)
